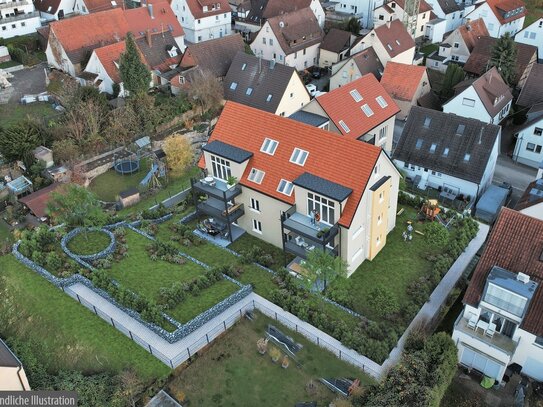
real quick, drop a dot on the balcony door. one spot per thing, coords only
(221, 168)
(324, 207)
(503, 325)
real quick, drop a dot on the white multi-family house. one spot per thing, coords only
(361, 110)
(451, 11)
(298, 187)
(51, 10)
(501, 16)
(395, 9)
(363, 10)
(500, 329)
(529, 139)
(457, 47)
(18, 17)
(452, 154)
(487, 98)
(203, 20)
(391, 42)
(291, 39)
(532, 35)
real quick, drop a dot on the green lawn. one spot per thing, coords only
(535, 11)
(232, 373)
(428, 49)
(13, 113)
(89, 243)
(5, 234)
(108, 185)
(172, 187)
(8, 64)
(397, 264)
(73, 337)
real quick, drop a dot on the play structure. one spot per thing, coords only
(430, 210)
(157, 170)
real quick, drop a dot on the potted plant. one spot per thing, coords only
(231, 182)
(285, 362)
(262, 345)
(275, 354)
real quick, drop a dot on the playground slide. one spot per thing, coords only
(145, 181)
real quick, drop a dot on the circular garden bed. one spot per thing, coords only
(90, 243)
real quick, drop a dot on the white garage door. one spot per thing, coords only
(533, 368)
(481, 363)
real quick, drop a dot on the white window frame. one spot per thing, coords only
(356, 95)
(255, 205)
(382, 102)
(344, 126)
(285, 187)
(257, 226)
(269, 146)
(221, 167)
(256, 175)
(325, 207)
(367, 110)
(299, 156)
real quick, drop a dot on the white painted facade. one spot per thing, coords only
(469, 104)
(529, 145)
(361, 9)
(18, 18)
(381, 16)
(435, 30)
(495, 28)
(452, 20)
(65, 8)
(535, 211)
(202, 29)
(294, 98)
(453, 49)
(431, 178)
(532, 35)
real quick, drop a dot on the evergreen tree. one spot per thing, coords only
(134, 72)
(18, 141)
(504, 57)
(353, 25)
(453, 75)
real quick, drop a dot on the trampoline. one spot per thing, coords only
(127, 166)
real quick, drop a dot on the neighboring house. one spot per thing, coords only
(71, 41)
(36, 202)
(335, 46)
(452, 12)
(252, 14)
(391, 42)
(531, 201)
(502, 320)
(405, 84)
(532, 92)
(487, 98)
(363, 10)
(455, 155)
(51, 10)
(265, 85)
(529, 139)
(93, 6)
(361, 110)
(501, 16)
(12, 373)
(18, 18)
(291, 39)
(355, 67)
(479, 60)
(203, 20)
(458, 45)
(532, 35)
(288, 169)
(395, 9)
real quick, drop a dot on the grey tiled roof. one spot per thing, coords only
(309, 118)
(477, 140)
(322, 186)
(227, 151)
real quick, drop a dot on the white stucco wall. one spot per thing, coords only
(525, 137)
(495, 28)
(294, 98)
(532, 35)
(12, 25)
(203, 29)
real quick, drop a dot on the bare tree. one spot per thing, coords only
(131, 386)
(205, 91)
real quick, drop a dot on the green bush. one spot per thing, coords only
(384, 301)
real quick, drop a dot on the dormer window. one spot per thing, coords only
(205, 9)
(299, 156)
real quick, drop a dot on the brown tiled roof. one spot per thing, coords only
(515, 244)
(532, 92)
(394, 37)
(196, 8)
(490, 87)
(480, 56)
(214, 56)
(401, 81)
(296, 30)
(139, 19)
(261, 10)
(336, 40)
(100, 5)
(47, 6)
(367, 61)
(528, 198)
(500, 7)
(37, 201)
(156, 55)
(472, 31)
(449, 6)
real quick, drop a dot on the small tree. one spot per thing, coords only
(134, 72)
(504, 57)
(206, 91)
(131, 386)
(384, 302)
(353, 25)
(75, 206)
(453, 75)
(324, 267)
(436, 235)
(179, 153)
(17, 142)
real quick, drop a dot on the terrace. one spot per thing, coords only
(498, 341)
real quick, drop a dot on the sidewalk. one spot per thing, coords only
(440, 293)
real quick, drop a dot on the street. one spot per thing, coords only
(518, 175)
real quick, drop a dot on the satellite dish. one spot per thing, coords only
(281, 24)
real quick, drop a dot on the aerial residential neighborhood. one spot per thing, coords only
(271, 203)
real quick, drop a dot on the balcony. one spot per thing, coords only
(497, 341)
(217, 209)
(303, 250)
(12, 4)
(215, 188)
(19, 17)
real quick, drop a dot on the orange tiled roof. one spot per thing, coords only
(196, 8)
(401, 81)
(499, 7)
(340, 105)
(110, 54)
(139, 19)
(340, 160)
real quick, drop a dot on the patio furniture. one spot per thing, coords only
(482, 324)
(231, 209)
(491, 330)
(209, 181)
(299, 240)
(472, 322)
(213, 227)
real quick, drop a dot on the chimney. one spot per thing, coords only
(149, 39)
(150, 7)
(388, 24)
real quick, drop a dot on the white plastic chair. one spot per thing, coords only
(491, 330)
(472, 322)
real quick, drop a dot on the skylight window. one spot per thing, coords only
(256, 176)
(249, 91)
(367, 110)
(433, 148)
(233, 85)
(467, 157)
(299, 156)
(269, 98)
(345, 128)
(285, 187)
(460, 129)
(446, 152)
(419, 144)
(382, 102)
(269, 146)
(356, 95)
(243, 67)
(398, 42)
(389, 47)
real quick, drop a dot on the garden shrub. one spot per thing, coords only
(257, 255)
(436, 235)
(384, 301)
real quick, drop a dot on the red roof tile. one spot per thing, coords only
(94, 6)
(515, 244)
(37, 201)
(196, 7)
(472, 31)
(394, 37)
(340, 105)
(108, 55)
(340, 160)
(139, 19)
(401, 81)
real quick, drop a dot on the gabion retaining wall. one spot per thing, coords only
(90, 257)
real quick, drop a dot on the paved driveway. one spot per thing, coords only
(26, 81)
(518, 175)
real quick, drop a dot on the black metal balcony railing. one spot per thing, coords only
(210, 207)
(303, 250)
(319, 233)
(219, 190)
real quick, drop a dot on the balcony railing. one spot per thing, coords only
(217, 189)
(497, 341)
(19, 17)
(215, 209)
(303, 250)
(319, 233)
(12, 4)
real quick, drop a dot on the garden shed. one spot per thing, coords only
(36, 202)
(490, 203)
(129, 197)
